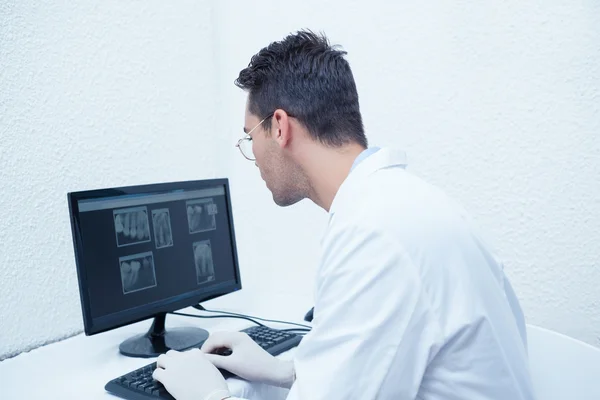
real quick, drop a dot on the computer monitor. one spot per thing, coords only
(143, 251)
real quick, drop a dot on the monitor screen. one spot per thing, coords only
(150, 249)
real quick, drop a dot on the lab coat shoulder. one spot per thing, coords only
(402, 205)
(414, 218)
(456, 267)
(396, 241)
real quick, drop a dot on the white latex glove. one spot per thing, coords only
(248, 360)
(189, 375)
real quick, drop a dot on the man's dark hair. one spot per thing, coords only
(311, 81)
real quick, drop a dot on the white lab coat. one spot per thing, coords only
(410, 303)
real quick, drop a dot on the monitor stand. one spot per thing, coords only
(158, 340)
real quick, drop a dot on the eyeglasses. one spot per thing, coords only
(245, 143)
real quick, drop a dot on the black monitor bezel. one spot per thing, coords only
(92, 325)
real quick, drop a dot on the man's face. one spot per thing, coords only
(281, 175)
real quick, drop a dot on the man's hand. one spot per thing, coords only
(190, 376)
(248, 360)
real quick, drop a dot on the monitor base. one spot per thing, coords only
(158, 340)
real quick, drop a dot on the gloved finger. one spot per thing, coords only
(163, 361)
(172, 353)
(160, 375)
(219, 361)
(220, 339)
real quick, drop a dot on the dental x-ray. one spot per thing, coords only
(163, 235)
(205, 269)
(137, 272)
(131, 226)
(201, 215)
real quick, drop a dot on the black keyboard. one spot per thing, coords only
(139, 384)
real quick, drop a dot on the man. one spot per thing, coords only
(409, 302)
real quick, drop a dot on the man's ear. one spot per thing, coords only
(282, 129)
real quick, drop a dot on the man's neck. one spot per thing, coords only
(326, 169)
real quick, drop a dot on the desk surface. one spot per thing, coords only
(80, 366)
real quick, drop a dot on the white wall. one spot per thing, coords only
(498, 105)
(93, 94)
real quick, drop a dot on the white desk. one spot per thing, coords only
(79, 367)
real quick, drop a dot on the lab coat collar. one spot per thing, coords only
(384, 158)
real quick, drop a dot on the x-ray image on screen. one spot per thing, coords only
(137, 272)
(201, 215)
(163, 235)
(131, 226)
(205, 269)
